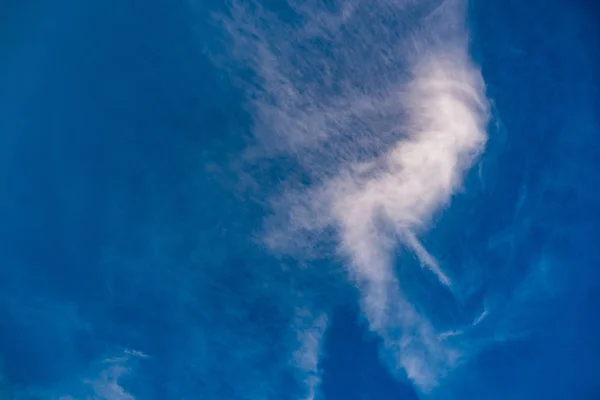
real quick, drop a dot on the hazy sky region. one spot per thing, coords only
(299, 199)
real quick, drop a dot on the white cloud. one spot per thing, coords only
(105, 385)
(480, 317)
(382, 111)
(310, 331)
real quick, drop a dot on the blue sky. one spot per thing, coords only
(299, 200)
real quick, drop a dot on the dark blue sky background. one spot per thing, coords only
(128, 253)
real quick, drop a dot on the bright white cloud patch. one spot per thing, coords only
(382, 111)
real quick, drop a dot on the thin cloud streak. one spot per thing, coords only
(310, 331)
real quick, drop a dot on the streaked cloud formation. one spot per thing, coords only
(106, 386)
(380, 109)
(102, 380)
(123, 227)
(306, 357)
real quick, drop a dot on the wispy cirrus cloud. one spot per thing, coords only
(107, 386)
(100, 381)
(310, 331)
(381, 111)
(104, 379)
